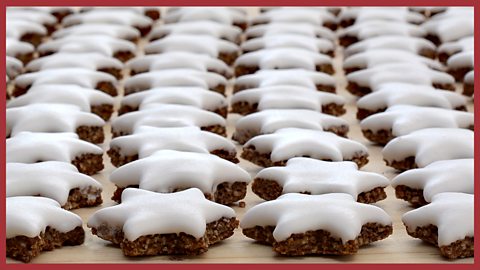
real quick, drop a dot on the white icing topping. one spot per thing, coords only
(192, 96)
(49, 9)
(295, 77)
(430, 145)
(201, 44)
(209, 28)
(78, 76)
(438, 177)
(390, 94)
(224, 15)
(469, 78)
(15, 47)
(105, 45)
(145, 141)
(81, 97)
(167, 115)
(61, 118)
(173, 60)
(35, 16)
(402, 72)
(13, 67)
(375, 28)
(51, 179)
(313, 44)
(337, 213)
(461, 60)
(92, 61)
(287, 97)
(376, 57)
(29, 216)
(451, 25)
(404, 119)
(399, 14)
(112, 30)
(278, 28)
(137, 10)
(120, 17)
(445, 212)
(30, 147)
(283, 58)
(17, 28)
(296, 15)
(463, 44)
(179, 170)
(185, 211)
(287, 143)
(321, 177)
(404, 43)
(175, 77)
(269, 121)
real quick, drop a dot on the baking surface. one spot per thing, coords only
(398, 248)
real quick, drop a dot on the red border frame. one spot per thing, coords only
(475, 265)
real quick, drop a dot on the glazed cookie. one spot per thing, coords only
(183, 222)
(209, 28)
(286, 77)
(391, 94)
(201, 44)
(460, 64)
(446, 50)
(286, 97)
(173, 60)
(223, 15)
(468, 83)
(112, 30)
(418, 186)
(415, 45)
(219, 180)
(438, 224)
(175, 77)
(105, 16)
(315, 177)
(320, 17)
(450, 26)
(401, 120)
(169, 115)
(36, 16)
(377, 57)
(26, 31)
(300, 29)
(14, 67)
(121, 49)
(299, 224)
(59, 12)
(376, 28)
(42, 117)
(88, 100)
(23, 51)
(30, 147)
(145, 141)
(35, 224)
(77, 76)
(282, 58)
(269, 121)
(56, 180)
(153, 13)
(313, 44)
(353, 15)
(92, 61)
(425, 146)
(365, 81)
(277, 148)
(192, 96)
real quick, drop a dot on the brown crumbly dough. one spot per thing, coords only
(222, 111)
(320, 87)
(459, 249)
(117, 73)
(61, 14)
(459, 73)
(32, 38)
(263, 159)
(242, 136)
(382, 136)
(25, 58)
(244, 70)
(320, 241)
(364, 113)
(434, 39)
(105, 111)
(271, 189)
(346, 40)
(124, 56)
(228, 58)
(468, 89)
(85, 197)
(88, 164)
(403, 165)
(245, 108)
(106, 87)
(169, 244)
(429, 53)
(144, 30)
(135, 89)
(443, 56)
(412, 195)
(91, 134)
(152, 14)
(217, 129)
(26, 248)
(227, 193)
(118, 159)
(361, 91)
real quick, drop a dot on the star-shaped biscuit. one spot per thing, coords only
(150, 223)
(333, 224)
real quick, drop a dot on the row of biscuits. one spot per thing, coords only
(57, 116)
(409, 105)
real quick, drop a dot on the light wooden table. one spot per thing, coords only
(398, 248)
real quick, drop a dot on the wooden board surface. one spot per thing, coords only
(398, 248)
